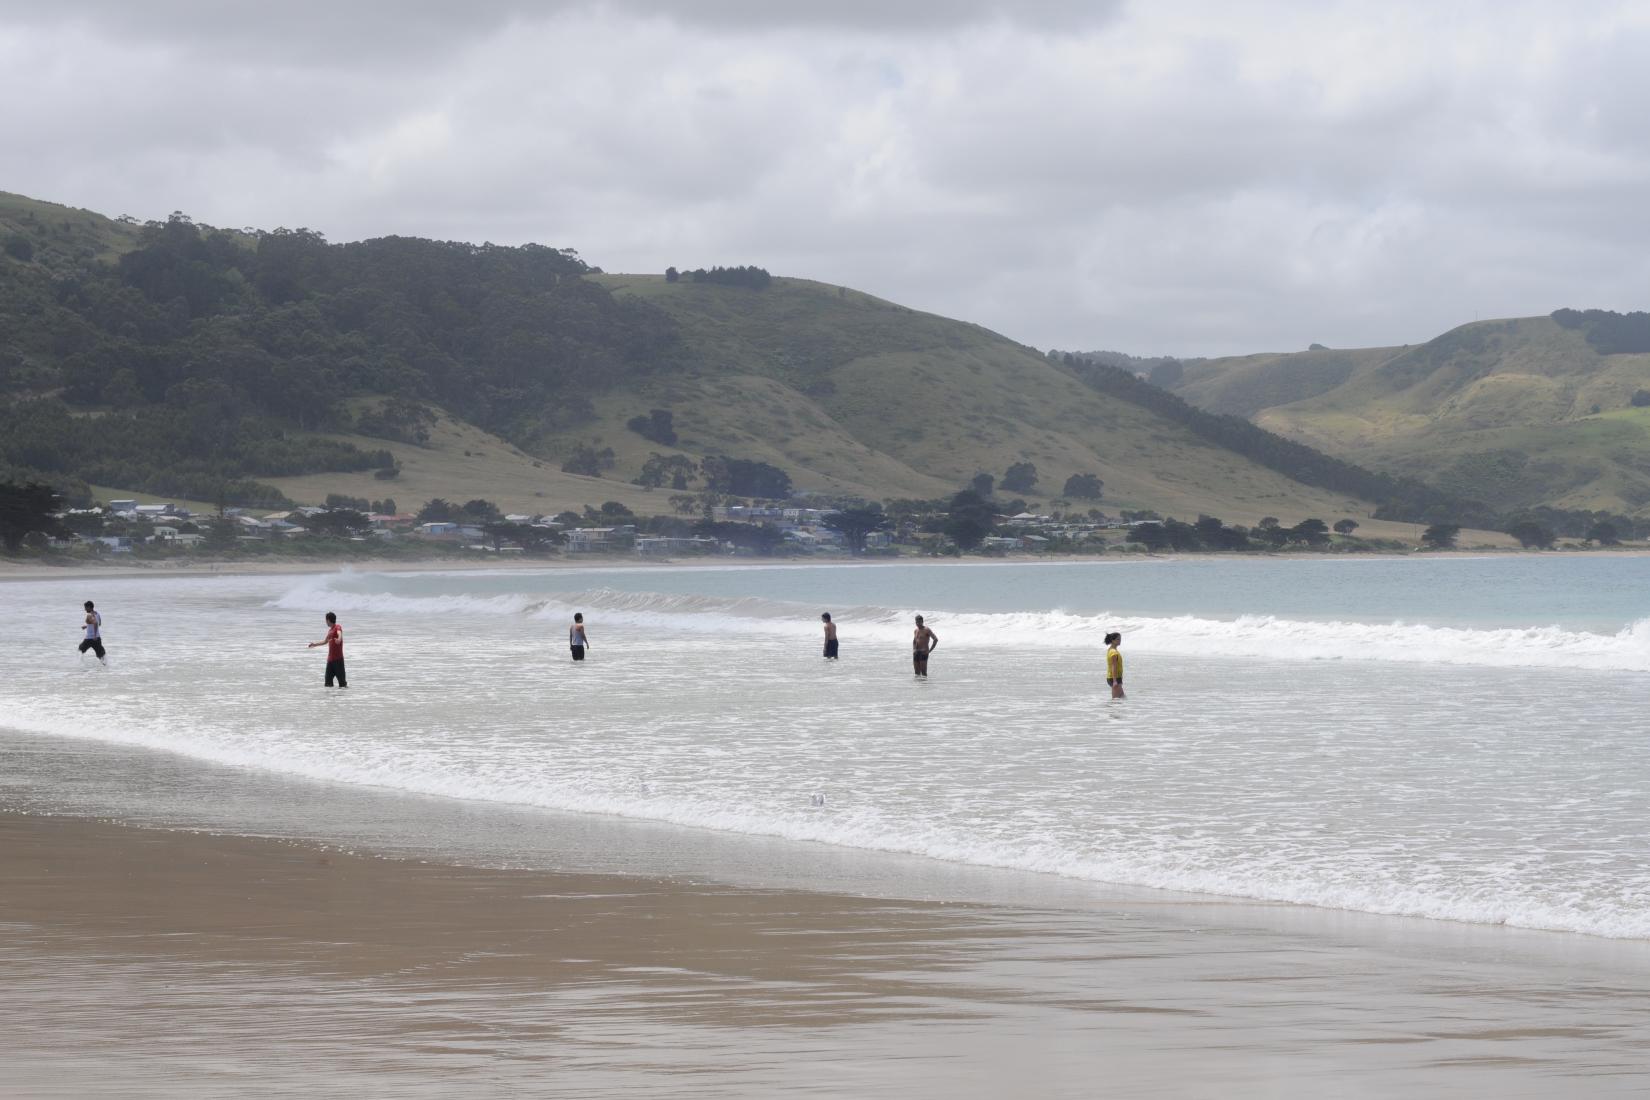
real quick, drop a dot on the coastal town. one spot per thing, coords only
(165, 528)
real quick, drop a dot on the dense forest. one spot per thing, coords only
(200, 360)
(1609, 332)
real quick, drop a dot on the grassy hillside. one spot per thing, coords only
(1513, 412)
(1248, 385)
(181, 359)
(461, 462)
(854, 393)
(61, 238)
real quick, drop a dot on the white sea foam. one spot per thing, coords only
(1249, 636)
(1475, 793)
(1274, 876)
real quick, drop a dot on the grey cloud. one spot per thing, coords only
(369, 30)
(1174, 179)
(889, 15)
(298, 34)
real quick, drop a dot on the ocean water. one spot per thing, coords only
(1449, 738)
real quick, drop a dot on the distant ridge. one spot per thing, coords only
(1519, 413)
(261, 367)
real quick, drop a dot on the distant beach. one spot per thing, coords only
(17, 569)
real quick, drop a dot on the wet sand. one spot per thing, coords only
(140, 962)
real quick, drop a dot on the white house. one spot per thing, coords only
(599, 540)
(663, 544)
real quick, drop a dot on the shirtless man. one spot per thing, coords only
(923, 642)
(94, 633)
(830, 636)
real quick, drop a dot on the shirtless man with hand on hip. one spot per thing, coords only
(923, 642)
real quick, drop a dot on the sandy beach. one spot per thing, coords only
(152, 963)
(217, 880)
(15, 569)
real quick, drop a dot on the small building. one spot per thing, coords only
(600, 540)
(658, 545)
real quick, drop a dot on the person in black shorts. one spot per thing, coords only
(334, 641)
(94, 633)
(577, 640)
(923, 642)
(830, 636)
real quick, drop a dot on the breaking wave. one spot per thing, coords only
(1264, 637)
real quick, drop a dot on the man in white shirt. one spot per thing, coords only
(94, 633)
(577, 640)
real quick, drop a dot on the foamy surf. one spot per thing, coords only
(1263, 637)
(846, 821)
(1417, 770)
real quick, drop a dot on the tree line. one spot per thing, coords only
(755, 278)
(206, 357)
(1611, 333)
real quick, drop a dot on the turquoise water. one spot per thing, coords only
(1591, 592)
(1284, 738)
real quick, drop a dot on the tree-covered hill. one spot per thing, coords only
(200, 355)
(250, 367)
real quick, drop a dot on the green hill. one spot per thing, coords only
(179, 359)
(61, 238)
(1516, 413)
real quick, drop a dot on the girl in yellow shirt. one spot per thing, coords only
(1114, 664)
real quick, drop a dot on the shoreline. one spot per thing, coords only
(264, 961)
(21, 570)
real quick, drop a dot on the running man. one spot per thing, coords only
(830, 636)
(94, 633)
(1114, 664)
(334, 641)
(577, 640)
(923, 642)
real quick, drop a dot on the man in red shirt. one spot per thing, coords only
(334, 641)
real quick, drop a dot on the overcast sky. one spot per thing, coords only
(1180, 178)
